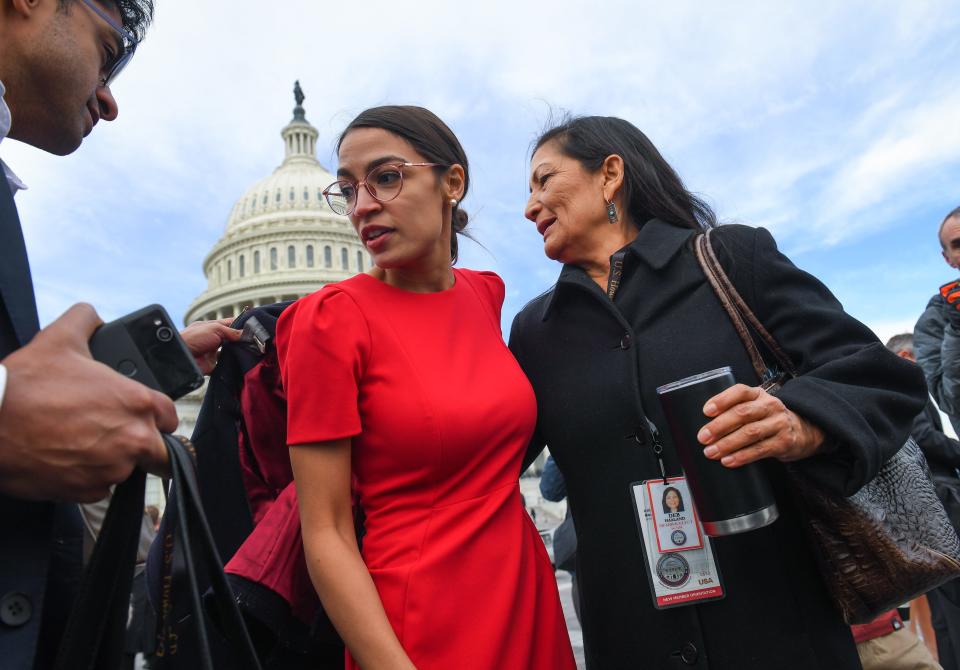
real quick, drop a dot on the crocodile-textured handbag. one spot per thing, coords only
(886, 544)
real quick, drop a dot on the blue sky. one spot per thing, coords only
(833, 124)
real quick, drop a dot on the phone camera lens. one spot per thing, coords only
(164, 334)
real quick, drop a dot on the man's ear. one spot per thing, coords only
(454, 182)
(947, 259)
(26, 8)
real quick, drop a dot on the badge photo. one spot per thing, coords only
(674, 514)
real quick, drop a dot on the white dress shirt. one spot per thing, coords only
(12, 179)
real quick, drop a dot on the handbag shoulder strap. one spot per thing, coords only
(96, 625)
(200, 551)
(739, 312)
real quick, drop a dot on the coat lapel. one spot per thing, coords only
(655, 244)
(573, 278)
(16, 285)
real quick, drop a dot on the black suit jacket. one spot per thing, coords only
(40, 554)
(595, 364)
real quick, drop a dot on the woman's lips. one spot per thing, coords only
(376, 239)
(542, 226)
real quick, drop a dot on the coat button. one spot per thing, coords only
(15, 609)
(689, 653)
(626, 341)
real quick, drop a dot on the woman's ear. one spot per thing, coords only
(611, 173)
(454, 182)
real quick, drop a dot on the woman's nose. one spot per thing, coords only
(366, 203)
(532, 208)
(107, 103)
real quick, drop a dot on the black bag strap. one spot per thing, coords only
(94, 634)
(193, 527)
(95, 631)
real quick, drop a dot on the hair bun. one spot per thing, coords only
(460, 219)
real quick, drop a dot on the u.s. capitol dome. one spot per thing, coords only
(282, 239)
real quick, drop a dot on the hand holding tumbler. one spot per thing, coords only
(729, 501)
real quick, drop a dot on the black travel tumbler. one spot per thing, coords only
(730, 500)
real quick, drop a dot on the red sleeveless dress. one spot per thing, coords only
(440, 415)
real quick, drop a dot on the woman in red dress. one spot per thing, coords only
(402, 393)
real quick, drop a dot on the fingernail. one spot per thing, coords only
(709, 409)
(711, 452)
(727, 460)
(704, 436)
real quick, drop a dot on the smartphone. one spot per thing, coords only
(146, 347)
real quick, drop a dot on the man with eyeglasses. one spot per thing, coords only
(69, 427)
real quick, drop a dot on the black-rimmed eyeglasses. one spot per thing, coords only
(383, 183)
(128, 41)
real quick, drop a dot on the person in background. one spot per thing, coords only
(943, 457)
(154, 513)
(921, 623)
(554, 488)
(142, 625)
(886, 644)
(937, 331)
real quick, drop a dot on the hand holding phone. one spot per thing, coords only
(146, 347)
(69, 426)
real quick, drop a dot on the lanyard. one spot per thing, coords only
(616, 273)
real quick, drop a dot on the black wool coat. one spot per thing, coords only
(40, 542)
(595, 364)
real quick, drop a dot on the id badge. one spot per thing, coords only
(680, 563)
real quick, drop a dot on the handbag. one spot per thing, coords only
(886, 544)
(94, 635)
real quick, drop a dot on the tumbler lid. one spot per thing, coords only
(695, 379)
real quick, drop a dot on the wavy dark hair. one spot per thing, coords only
(651, 188)
(666, 492)
(432, 139)
(135, 14)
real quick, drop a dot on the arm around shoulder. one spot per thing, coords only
(61, 441)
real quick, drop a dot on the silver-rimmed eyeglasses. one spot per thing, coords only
(383, 183)
(128, 45)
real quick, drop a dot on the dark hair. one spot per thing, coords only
(432, 139)
(136, 15)
(953, 214)
(901, 342)
(651, 188)
(666, 509)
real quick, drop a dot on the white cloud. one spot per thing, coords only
(821, 120)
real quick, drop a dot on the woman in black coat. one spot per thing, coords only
(631, 311)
